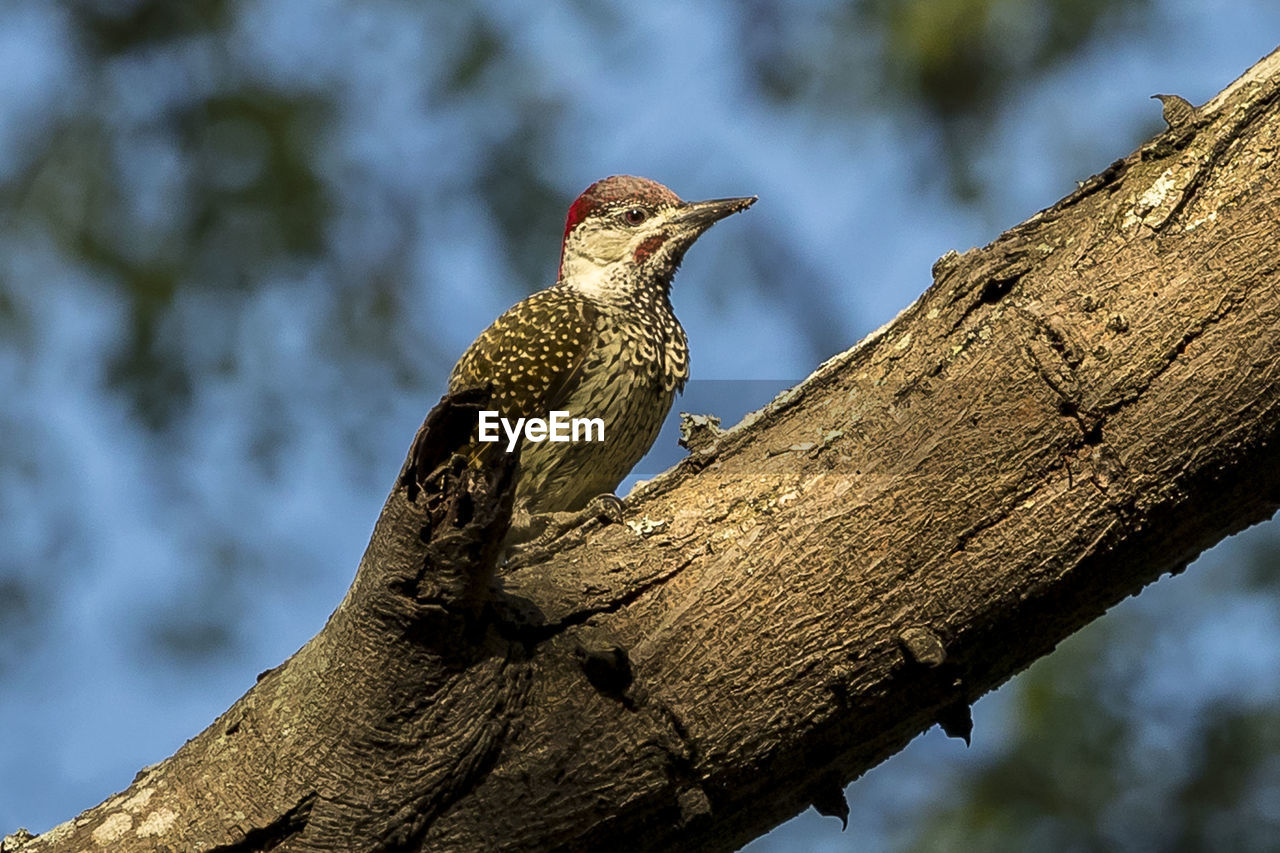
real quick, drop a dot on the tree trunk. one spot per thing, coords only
(1066, 414)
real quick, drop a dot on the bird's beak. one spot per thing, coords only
(704, 214)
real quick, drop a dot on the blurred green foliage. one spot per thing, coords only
(956, 63)
(250, 192)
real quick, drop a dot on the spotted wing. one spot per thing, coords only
(533, 355)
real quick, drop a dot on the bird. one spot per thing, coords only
(601, 342)
(1177, 110)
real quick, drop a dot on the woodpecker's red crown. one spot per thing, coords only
(614, 191)
(626, 235)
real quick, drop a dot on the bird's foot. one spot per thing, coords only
(532, 532)
(607, 508)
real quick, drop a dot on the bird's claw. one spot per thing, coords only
(531, 532)
(607, 508)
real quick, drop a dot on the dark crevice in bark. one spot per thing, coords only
(1108, 178)
(1171, 356)
(284, 828)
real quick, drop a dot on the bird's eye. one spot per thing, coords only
(635, 216)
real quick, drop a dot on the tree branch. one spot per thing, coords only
(1065, 415)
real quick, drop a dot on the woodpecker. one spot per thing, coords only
(602, 342)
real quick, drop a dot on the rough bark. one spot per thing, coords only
(1065, 415)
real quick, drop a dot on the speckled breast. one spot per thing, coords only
(629, 382)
